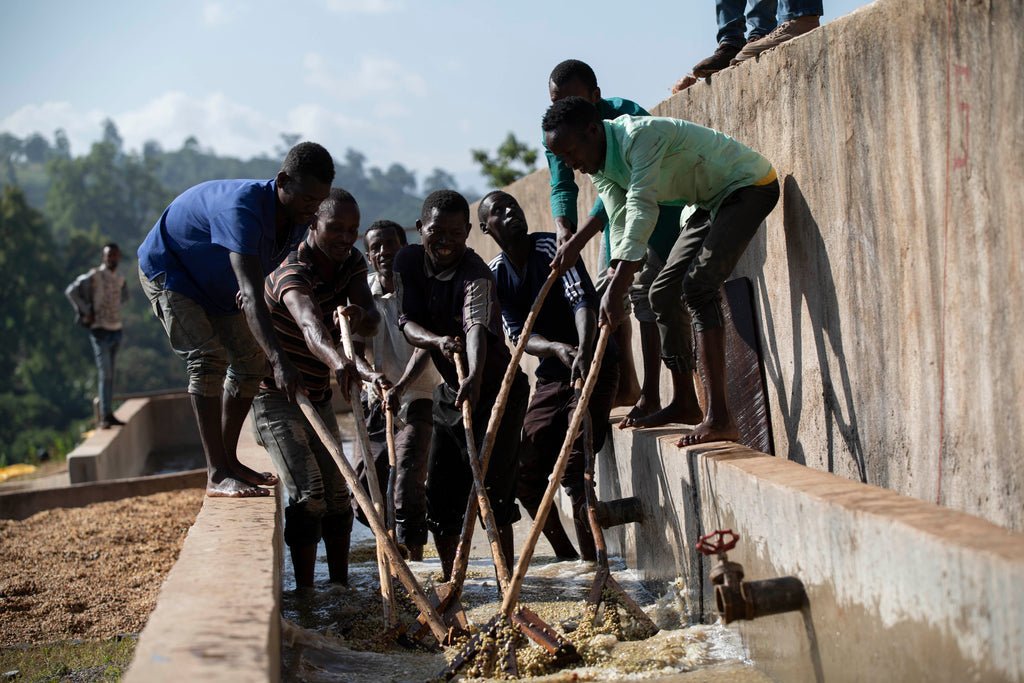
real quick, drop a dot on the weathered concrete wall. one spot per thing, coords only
(889, 278)
(23, 504)
(218, 616)
(899, 589)
(154, 424)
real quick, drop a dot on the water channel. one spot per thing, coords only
(331, 634)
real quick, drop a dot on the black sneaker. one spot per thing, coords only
(112, 421)
(724, 53)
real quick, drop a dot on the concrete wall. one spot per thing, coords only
(24, 504)
(889, 278)
(218, 615)
(899, 589)
(153, 425)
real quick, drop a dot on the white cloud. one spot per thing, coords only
(228, 127)
(215, 14)
(365, 6)
(82, 127)
(371, 76)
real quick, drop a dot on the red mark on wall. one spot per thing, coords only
(961, 85)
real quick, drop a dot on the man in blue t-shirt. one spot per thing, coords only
(563, 339)
(205, 259)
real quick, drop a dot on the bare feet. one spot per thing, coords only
(643, 407)
(229, 487)
(684, 83)
(707, 432)
(251, 476)
(673, 412)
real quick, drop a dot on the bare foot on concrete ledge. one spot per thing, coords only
(229, 487)
(644, 406)
(673, 412)
(251, 476)
(707, 432)
(684, 83)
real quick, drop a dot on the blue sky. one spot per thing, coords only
(417, 82)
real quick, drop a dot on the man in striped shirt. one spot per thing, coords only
(325, 272)
(563, 339)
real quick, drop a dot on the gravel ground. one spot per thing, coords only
(89, 573)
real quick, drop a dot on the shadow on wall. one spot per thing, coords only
(810, 281)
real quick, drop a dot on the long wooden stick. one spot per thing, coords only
(389, 420)
(461, 563)
(387, 590)
(484, 502)
(373, 517)
(526, 554)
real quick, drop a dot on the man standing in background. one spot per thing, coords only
(98, 296)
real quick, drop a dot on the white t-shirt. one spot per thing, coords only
(391, 350)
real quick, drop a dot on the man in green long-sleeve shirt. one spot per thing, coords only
(575, 78)
(637, 163)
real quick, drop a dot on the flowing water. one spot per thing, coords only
(332, 633)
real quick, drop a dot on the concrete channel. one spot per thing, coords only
(887, 293)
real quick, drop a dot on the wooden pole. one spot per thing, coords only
(405, 575)
(486, 512)
(370, 468)
(512, 594)
(461, 563)
(389, 418)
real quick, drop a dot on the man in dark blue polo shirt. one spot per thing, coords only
(205, 259)
(449, 306)
(563, 337)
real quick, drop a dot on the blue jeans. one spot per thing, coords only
(104, 348)
(761, 18)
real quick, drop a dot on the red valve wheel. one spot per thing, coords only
(720, 545)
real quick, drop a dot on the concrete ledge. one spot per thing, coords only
(23, 504)
(153, 424)
(218, 617)
(930, 593)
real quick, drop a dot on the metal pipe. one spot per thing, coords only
(773, 596)
(622, 511)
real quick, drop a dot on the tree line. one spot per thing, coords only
(56, 212)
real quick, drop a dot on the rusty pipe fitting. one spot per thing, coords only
(738, 599)
(620, 511)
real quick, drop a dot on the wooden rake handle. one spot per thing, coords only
(483, 501)
(512, 594)
(491, 435)
(376, 524)
(370, 468)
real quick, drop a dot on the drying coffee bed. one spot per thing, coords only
(89, 573)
